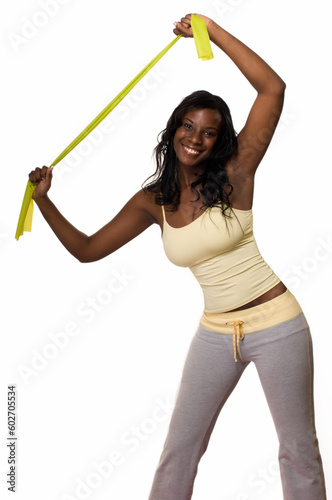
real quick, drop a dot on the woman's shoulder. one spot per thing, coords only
(144, 200)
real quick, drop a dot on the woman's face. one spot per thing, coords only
(196, 136)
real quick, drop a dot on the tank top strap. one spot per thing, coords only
(163, 211)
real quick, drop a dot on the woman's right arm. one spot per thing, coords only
(132, 220)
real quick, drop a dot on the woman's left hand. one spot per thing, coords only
(184, 27)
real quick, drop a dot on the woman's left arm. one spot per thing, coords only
(256, 135)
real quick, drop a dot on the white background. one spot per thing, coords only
(104, 395)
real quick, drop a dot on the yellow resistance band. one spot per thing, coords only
(204, 51)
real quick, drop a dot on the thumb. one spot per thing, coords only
(49, 174)
(48, 177)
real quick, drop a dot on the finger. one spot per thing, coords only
(44, 171)
(182, 29)
(186, 19)
(38, 174)
(185, 23)
(34, 175)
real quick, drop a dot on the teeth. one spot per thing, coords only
(191, 151)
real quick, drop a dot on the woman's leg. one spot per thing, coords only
(284, 361)
(209, 376)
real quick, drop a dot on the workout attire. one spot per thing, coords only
(223, 255)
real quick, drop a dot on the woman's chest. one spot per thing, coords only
(208, 235)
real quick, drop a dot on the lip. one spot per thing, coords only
(191, 151)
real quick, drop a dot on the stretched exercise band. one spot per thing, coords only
(204, 51)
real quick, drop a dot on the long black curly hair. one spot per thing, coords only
(215, 188)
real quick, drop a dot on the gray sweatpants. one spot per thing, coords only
(283, 358)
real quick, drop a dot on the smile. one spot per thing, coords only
(191, 151)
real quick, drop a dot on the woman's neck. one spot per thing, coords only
(188, 176)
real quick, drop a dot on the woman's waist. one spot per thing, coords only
(277, 310)
(233, 293)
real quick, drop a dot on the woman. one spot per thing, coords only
(201, 197)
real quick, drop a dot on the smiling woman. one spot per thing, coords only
(193, 151)
(197, 135)
(201, 197)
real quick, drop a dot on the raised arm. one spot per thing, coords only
(132, 220)
(255, 137)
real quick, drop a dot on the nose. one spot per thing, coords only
(195, 137)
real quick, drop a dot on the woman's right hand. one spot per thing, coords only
(43, 178)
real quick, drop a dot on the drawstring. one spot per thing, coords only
(237, 335)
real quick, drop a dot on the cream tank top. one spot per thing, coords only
(223, 256)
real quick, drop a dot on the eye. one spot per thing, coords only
(187, 125)
(210, 134)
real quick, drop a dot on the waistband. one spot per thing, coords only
(239, 323)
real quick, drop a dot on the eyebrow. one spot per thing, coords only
(214, 128)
